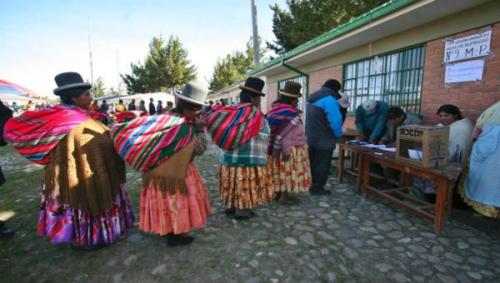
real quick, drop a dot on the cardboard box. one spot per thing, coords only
(425, 146)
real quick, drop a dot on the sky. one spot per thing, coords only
(41, 38)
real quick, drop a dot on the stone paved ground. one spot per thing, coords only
(337, 238)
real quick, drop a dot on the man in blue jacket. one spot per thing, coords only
(323, 128)
(371, 119)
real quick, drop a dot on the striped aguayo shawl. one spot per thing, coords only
(279, 117)
(232, 126)
(147, 141)
(35, 133)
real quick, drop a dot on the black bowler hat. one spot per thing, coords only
(69, 80)
(254, 85)
(292, 89)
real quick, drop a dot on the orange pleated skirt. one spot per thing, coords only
(245, 187)
(293, 175)
(163, 213)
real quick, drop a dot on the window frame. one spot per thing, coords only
(409, 75)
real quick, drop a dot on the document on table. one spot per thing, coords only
(379, 146)
(389, 149)
(415, 154)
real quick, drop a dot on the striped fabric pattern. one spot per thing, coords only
(280, 115)
(147, 141)
(252, 153)
(35, 133)
(232, 126)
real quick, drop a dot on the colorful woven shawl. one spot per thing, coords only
(35, 133)
(147, 141)
(279, 117)
(232, 126)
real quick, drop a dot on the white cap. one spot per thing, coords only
(369, 105)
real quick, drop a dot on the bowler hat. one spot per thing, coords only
(292, 89)
(194, 92)
(254, 85)
(69, 80)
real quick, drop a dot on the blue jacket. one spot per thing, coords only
(323, 119)
(374, 123)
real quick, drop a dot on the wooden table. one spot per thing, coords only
(349, 134)
(444, 177)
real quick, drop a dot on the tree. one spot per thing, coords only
(99, 89)
(113, 92)
(165, 66)
(307, 19)
(233, 67)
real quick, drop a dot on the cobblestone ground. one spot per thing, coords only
(337, 238)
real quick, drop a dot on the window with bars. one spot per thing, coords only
(302, 80)
(395, 78)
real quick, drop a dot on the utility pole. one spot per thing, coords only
(255, 36)
(91, 63)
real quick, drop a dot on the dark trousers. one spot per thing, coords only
(320, 161)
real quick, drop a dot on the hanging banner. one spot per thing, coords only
(472, 46)
(464, 71)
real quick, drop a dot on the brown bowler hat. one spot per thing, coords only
(292, 89)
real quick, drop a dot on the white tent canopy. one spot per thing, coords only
(164, 97)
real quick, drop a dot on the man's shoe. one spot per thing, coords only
(179, 240)
(230, 211)
(320, 192)
(6, 232)
(242, 214)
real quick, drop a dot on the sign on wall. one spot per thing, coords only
(471, 46)
(464, 71)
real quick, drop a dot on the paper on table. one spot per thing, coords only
(390, 149)
(415, 154)
(380, 146)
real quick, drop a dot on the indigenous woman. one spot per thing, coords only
(243, 133)
(84, 199)
(173, 198)
(481, 188)
(288, 161)
(459, 141)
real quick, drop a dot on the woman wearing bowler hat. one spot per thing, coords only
(84, 201)
(173, 199)
(288, 160)
(242, 132)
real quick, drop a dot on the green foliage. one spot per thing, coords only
(112, 92)
(307, 19)
(166, 66)
(233, 67)
(99, 90)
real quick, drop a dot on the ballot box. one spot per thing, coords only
(425, 146)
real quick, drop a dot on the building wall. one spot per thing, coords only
(471, 97)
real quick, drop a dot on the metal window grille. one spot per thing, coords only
(395, 78)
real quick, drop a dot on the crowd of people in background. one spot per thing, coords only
(265, 157)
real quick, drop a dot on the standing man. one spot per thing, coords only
(242, 132)
(120, 106)
(371, 119)
(323, 128)
(5, 114)
(131, 106)
(159, 107)
(152, 108)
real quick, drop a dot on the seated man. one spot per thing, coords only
(397, 117)
(371, 119)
